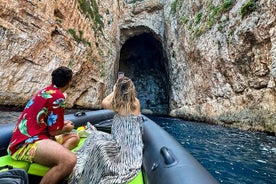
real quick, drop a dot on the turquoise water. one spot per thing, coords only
(232, 156)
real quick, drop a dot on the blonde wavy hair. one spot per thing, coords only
(124, 95)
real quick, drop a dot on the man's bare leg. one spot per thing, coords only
(61, 160)
(71, 140)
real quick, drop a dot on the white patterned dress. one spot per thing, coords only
(110, 158)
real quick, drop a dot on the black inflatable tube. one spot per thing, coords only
(5, 135)
(179, 168)
(94, 117)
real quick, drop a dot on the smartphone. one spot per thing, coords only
(120, 75)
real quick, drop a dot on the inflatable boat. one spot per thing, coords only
(165, 161)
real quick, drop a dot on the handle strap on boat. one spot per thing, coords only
(167, 155)
(78, 114)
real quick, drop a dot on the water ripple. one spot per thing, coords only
(230, 155)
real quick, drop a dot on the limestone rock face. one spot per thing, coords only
(220, 56)
(37, 37)
(227, 62)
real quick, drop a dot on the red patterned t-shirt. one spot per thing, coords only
(43, 113)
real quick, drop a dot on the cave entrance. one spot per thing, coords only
(143, 60)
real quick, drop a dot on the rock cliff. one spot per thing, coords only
(211, 61)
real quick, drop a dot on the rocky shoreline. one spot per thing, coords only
(10, 114)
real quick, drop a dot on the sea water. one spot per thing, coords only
(231, 155)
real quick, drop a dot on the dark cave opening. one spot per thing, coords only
(143, 60)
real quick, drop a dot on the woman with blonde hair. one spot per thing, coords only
(123, 99)
(116, 157)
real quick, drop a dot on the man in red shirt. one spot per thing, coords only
(33, 138)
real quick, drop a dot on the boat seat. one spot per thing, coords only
(8, 160)
(37, 169)
(138, 179)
